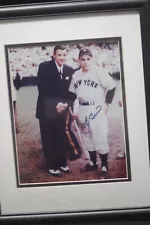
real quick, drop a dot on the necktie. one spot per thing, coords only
(60, 74)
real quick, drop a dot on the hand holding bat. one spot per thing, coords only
(74, 116)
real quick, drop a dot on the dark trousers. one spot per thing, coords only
(53, 137)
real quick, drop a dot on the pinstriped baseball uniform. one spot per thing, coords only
(90, 88)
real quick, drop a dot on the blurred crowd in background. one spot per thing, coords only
(24, 61)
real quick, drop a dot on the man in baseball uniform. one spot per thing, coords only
(94, 89)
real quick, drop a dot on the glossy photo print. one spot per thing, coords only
(68, 111)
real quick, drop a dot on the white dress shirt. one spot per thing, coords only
(60, 68)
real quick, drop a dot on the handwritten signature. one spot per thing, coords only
(86, 125)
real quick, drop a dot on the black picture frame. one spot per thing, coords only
(78, 7)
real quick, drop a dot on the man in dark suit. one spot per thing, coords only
(53, 80)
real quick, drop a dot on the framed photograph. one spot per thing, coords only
(74, 116)
(32, 166)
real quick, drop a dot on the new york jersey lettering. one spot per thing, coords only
(78, 82)
(90, 83)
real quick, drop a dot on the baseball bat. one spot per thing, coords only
(69, 136)
(80, 137)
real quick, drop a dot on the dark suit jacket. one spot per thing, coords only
(51, 85)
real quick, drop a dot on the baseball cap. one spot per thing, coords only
(85, 51)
